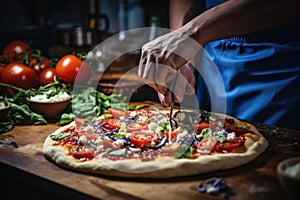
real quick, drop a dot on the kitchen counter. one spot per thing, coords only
(25, 172)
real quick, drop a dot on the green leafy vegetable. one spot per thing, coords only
(60, 136)
(184, 152)
(6, 126)
(66, 118)
(119, 152)
(22, 115)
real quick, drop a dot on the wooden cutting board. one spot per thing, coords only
(27, 166)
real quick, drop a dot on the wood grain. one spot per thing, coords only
(256, 180)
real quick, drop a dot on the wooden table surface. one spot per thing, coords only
(25, 169)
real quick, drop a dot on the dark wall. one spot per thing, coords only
(37, 21)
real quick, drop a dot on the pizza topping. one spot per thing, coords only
(136, 126)
(231, 144)
(148, 135)
(82, 153)
(239, 129)
(207, 145)
(185, 151)
(60, 136)
(171, 148)
(215, 186)
(142, 139)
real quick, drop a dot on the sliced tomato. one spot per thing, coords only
(116, 113)
(141, 112)
(202, 125)
(82, 152)
(141, 139)
(173, 134)
(207, 145)
(234, 127)
(112, 124)
(137, 126)
(231, 144)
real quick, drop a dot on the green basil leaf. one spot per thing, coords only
(60, 136)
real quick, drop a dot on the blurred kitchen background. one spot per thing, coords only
(60, 26)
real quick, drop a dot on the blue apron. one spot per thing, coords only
(261, 75)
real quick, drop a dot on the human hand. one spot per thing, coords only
(185, 84)
(162, 57)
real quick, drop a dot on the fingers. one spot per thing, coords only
(159, 61)
(185, 84)
(165, 100)
(190, 80)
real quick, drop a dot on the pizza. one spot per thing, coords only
(149, 144)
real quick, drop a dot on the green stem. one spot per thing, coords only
(12, 86)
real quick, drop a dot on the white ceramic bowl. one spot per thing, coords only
(288, 172)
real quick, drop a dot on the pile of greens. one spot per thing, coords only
(85, 102)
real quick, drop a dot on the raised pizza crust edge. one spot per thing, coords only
(164, 167)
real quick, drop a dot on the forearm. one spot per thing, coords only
(234, 18)
(182, 11)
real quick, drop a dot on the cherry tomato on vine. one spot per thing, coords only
(70, 68)
(1, 70)
(38, 64)
(3, 60)
(47, 76)
(16, 47)
(19, 75)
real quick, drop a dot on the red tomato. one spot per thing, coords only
(38, 64)
(231, 144)
(173, 134)
(140, 112)
(207, 145)
(19, 75)
(16, 47)
(141, 139)
(2, 89)
(137, 126)
(230, 125)
(70, 68)
(82, 152)
(47, 76)
(4, 60)
(116, 113)
(112, 124)
(199, 127)
(1, 69)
